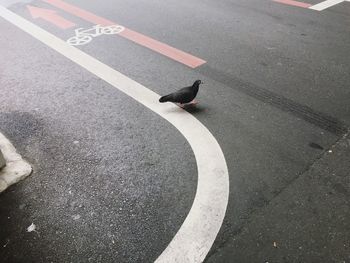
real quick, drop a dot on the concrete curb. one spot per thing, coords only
(2, 160)
(16, 168)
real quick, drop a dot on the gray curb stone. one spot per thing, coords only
(16, 168)
(2, 160)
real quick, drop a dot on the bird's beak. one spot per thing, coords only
(202, 82)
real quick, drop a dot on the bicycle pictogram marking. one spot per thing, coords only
(84, 36)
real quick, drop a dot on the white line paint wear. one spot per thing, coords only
(325, 4)
(199, 230)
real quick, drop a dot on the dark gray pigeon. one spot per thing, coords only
(184, 95)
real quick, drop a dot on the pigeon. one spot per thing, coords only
(183, 96)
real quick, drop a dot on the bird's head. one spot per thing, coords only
(197, 82)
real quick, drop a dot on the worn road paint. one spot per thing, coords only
(50, 16)
(155, 45)
(325, 4)
(293, 3)
(197, 234)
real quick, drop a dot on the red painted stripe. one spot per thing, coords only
(162, 48)
(293, 3)
(155, 45)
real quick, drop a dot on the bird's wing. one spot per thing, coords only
(183, 94)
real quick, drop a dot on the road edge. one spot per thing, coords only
(261, 239)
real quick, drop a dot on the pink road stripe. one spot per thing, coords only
(162, 48)
(293, 3)
(155, 45)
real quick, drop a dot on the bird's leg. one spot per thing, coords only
(180, 105)
(194, 102)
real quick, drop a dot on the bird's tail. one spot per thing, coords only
(165, 98)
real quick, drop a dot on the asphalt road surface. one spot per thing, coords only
(113, 181)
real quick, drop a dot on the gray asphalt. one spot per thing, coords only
(113, 182)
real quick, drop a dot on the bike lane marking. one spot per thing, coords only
(50, 16)
(143, 40)
(198, 232)
(82, 36)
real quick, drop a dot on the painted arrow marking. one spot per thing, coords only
(155, 45)
(50, 16)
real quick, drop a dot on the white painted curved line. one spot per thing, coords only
(198, 232)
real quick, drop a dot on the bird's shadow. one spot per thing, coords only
(194, 109)
(190, 108)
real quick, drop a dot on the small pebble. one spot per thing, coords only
(76, 217)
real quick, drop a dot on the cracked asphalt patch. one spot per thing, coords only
(307, 222)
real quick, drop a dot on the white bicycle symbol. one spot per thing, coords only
(84, 36)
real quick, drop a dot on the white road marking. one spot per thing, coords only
(84, 36)
(325, 4)
(199, 230)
